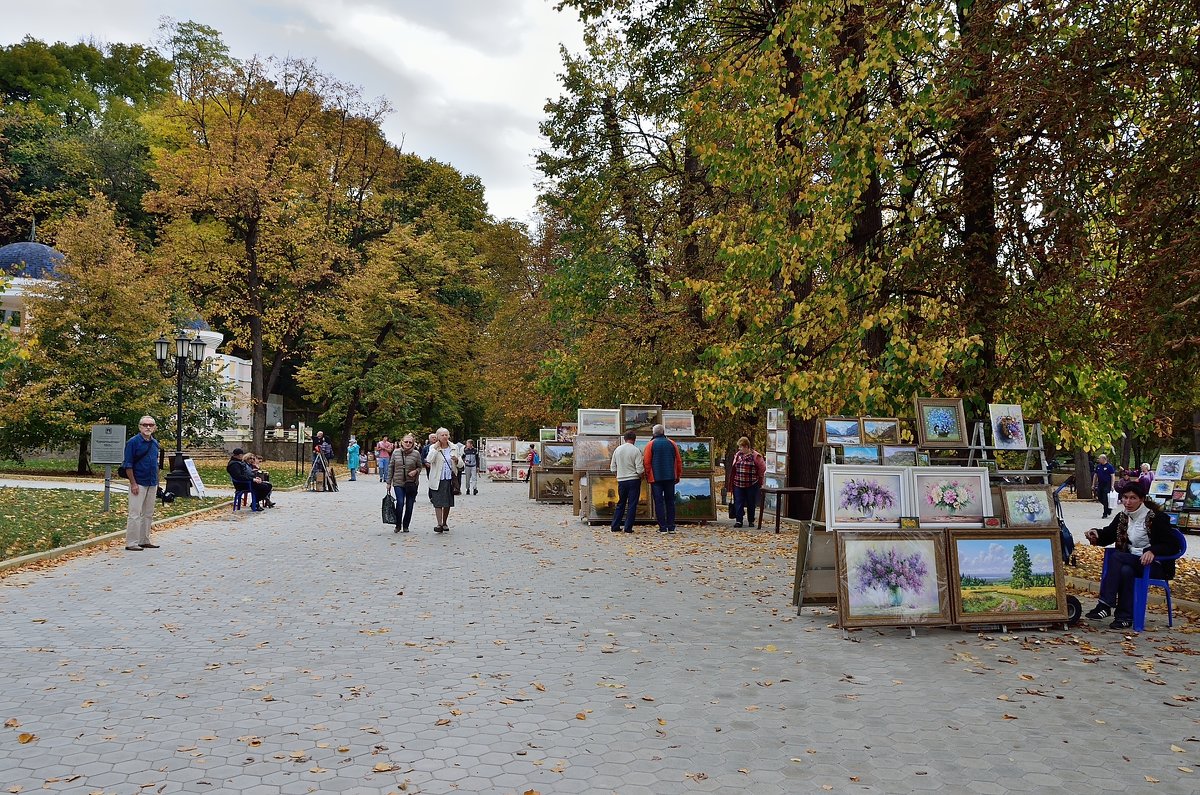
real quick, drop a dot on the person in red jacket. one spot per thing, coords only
(749, 469)
(664, 468)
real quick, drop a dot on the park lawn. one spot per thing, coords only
(36, 520)
(985, 599)
(283, 473)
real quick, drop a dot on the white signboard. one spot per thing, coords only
(194, 473)
(108, 444)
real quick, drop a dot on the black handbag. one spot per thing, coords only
(389, 509)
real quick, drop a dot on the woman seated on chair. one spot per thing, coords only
(1139, 533)
(262, 480)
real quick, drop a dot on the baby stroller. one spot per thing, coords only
(1067, 546)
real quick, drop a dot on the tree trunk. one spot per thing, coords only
(1196, 431)
(81, 464)
(804, 462)
(1083, 476)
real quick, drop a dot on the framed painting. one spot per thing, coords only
(593, 452)
(694, 499)
(640, 418)
(841, 430)
(500, 471)
(860, 454)
(1027, 506)
(567, 431)
(1191, 468)
(1161, 489)
(910, 523)
(781, 464)
(865, 497)
(899, 456)
(769, 460)
(602, 497)
(599, 422)
(1006, 576)
(818, 432)
(499, 449)
(1008, 426)
(892, 578)
(781, 441)
(557, 488)
(520, 470)
(679, 423)
(922, 459)
(941, 423)
(696, 453)
(769, 500)
(951, 496)
(558, 455)
(772, 419)
(880, 430)
(1191, 499)
(1169, 467)
(547, 434)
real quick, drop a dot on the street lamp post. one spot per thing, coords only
(183, 365)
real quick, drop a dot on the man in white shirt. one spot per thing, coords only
(627, 463)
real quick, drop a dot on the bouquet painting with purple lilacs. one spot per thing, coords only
(892, 576)
(865, 497)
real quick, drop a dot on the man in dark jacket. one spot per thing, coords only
(242, 476)
(1139, 534)
(664, 468)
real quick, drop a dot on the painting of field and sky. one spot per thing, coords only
(1006, 576)
(694, 499)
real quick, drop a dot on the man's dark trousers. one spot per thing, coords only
(628, 494)
(664, 503)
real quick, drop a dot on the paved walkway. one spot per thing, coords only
(310, 649)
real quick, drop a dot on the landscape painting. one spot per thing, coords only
(781, 463)
(593, 452)
(602, 497)
(1008, 426)
(860, 454)
(952, 496)
(769, 500)
(599, 422)
(892, 578)
(1006, 576)
(696, 453)
(640, 418)
(1028, 506)
(694, 499)
(865, 497)
(899, 456)
(841, 431)
(547, 434)
(881, 430)
(554, 487)
(1191, 500)
(1191, 468)
(679, 423)
(558, 455)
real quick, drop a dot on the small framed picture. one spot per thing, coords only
(880, 430)
(991, 521)
(910, 523)
(940, 422)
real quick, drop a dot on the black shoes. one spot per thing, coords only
(475, 491)
(1121, 623)
(615, 529)
(149, 546)
(442, 529)
(1098, 612)
(737, 524)
(133, 549)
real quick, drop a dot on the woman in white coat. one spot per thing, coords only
(443, 464)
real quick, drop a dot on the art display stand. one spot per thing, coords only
(1035, 468)
(816, 566)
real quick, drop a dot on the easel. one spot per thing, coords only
(816, 567)
(328, 480)
(977, 455)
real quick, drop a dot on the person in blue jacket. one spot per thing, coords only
(352, 455)
(664, 468)
(141, 468)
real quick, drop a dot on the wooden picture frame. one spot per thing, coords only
(602, 497)
(865, 497)
(554, 488)
(599, 422)
(781, 464)
(695, 499)
(558, 455)
(593, 452)
(951, 496)
(880, 430)
(910, 523)
(892, 578)
(679, 423)
(640, 417)
(861, 454)
(567, 431)
(696, 453)
(841, 430)
(991, 584)
(941, 423)
(499, 450)
(548, 434)
(1028, 506)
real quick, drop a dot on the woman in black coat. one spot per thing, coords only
(1139, 533)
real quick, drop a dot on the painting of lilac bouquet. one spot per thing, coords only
(865, 496)
(892, 577)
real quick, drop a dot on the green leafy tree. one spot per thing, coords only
(1022, 568)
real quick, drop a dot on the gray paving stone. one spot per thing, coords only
(313, 624)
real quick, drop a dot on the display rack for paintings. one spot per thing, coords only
(816, 566)
(1032, 454)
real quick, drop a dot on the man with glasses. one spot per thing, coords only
(141, 468)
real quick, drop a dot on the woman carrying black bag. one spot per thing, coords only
(403, 476)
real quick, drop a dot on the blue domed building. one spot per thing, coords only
(20, 265)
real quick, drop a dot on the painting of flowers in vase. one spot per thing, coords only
(941, 423)
(865, 497)
(1028, 506)
(1008, 426)
(952, 496)
(892, 578)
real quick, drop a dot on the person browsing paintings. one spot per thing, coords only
(628, 465)
(1139, 533)
(141, 468)
(353, 452)
(443, 465)
(749, 470)
(664, 468)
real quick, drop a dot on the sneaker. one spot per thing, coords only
(615, 529)
(671, 530)
(1121, 623)
(1098, 612)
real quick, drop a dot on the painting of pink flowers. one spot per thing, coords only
(892, 578)
(865, 496)
(952, 496)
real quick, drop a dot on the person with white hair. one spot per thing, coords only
(443, 465)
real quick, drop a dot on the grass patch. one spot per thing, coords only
(211, 472)
(1010, 600)
(36, 520)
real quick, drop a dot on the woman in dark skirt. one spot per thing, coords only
(443, 465)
